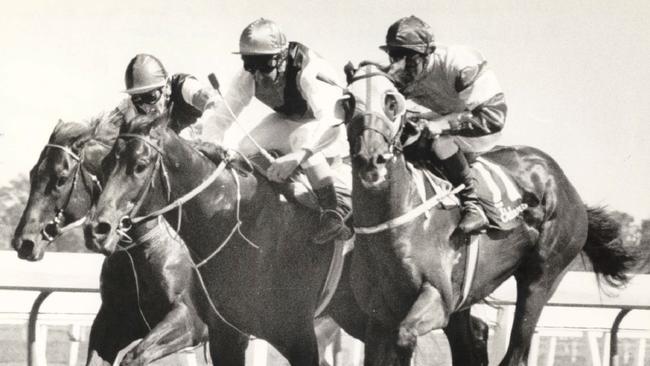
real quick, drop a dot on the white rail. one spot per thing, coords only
(67, 272)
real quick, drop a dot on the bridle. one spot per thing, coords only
(127, 221)
(395, 148)
(53, 228)
(394, 142)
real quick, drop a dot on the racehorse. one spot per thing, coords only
(408, 254)
(139, 299)
(251, 249)
(63, 185)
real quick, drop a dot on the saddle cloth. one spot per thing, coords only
(497, 192)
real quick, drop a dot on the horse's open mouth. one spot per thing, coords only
(374, 178)
(100, 240)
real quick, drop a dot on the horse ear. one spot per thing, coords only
(349, 72)
(81, 140)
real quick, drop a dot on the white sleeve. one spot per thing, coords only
(220, 112)
(321, 98)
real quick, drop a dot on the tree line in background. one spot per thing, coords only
(13, 197)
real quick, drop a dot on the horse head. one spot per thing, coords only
(147, 156)
(373, 110)
(62, 186)
(133, 162)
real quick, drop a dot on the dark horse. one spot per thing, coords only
(252, 249)
(409, 273)
(156, 307)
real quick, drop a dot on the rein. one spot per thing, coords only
(127, 222)
(409, 216)
(394, 144)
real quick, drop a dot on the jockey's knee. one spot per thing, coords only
(444, 147)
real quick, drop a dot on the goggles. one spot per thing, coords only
(398, 53)
(147, 98)
(262, 63)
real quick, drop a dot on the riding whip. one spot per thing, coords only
(215, 84)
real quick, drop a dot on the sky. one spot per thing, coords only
(575, 73)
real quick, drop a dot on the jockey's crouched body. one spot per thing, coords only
(282, 75)
(463, 95)
(152, 92)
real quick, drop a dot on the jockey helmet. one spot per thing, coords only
(144, 74)
(262, 37)
(410, 33)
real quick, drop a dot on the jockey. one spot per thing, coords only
(151, 90)
(464, 97)
(283, 76)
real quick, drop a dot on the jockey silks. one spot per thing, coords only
(458, 79)
(182, 112)
(303, 106)
(283, 94)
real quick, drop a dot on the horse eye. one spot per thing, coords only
(391, 106)
(60, 181)
(140, 167)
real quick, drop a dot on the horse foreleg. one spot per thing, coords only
(179, 329)
(108, 334)
(467, 337)
(427, 313)
(227, 346)
(98, 354)
(381, 347)
(326, 330)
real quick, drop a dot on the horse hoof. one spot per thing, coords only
(407, 338)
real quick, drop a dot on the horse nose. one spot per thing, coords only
(371, 176)
(379, 159)
(101, 228)
(25, 249)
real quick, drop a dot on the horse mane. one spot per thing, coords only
(144, 123)
(66, 132)
(107, 126)
(350, 70)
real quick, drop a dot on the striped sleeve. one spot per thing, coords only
(479, 89)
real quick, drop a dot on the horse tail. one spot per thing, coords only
(605, 248)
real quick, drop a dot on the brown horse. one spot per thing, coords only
(409, 266)
(155, 307)
(252, 249)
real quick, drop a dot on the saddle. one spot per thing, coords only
(296, 191)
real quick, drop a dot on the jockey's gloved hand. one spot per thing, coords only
(436, 127)
(412, 116)
(284, 166)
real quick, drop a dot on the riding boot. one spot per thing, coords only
(458, 172)
(335, 209)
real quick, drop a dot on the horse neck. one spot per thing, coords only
(210, 216)
(155, 237)
(373, 207)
